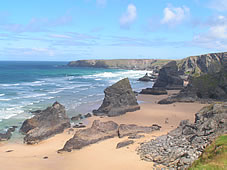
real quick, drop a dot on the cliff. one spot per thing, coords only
(207, 63)
(131, 64)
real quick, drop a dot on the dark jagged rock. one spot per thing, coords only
(79, 126)
(88, 115)
(103, 130)
(136, 136)
(145, 78)
(8, 134)
(169, 77)
(205, 88)
(154, 91)
(76, 118)
(45, 124)
(131, 129)
(180, 147)
(98, 131)
(124, 143)
(119, 99)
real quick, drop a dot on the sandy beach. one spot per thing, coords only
(102, 155)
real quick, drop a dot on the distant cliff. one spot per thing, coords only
(193, 65)
(131, 64)
(207, 63)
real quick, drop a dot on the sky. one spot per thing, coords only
(65, 30)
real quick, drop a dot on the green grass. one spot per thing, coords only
(214, 156)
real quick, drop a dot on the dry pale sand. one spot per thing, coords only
(103, 155)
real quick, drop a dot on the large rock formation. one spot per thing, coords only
(119, 99)
(104, 130)
(99, 131)
(197, 65)
(169, 77)
(135, 64)
(207, 87)
(45, 123)
(180, 147)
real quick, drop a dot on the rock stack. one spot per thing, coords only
(169, 77)
(45, 124)
(119, 99)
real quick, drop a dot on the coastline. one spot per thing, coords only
(104, 154)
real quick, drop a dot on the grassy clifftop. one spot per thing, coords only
(136, 64)
(214, 156)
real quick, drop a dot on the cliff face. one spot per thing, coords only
(207, 63)
(131, 64)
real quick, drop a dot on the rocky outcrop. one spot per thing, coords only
(132, 129)
(154, 91)
(124, 143)
(180, 147)
(205, 88)
(77, 117)
(145, 78)
(104, 130)
(119, 99)
(45, 124)
(130, 64)
(202, 64)
(169, 77)
(99, 131)
(8, 134)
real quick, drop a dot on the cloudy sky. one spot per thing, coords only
(63, 30)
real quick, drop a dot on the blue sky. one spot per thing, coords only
(64, 30)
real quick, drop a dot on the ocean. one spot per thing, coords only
(29, 86)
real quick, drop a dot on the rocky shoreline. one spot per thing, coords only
(183, 145)
(180, 147)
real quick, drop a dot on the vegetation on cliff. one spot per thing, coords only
(202, 64)
(214, 156)
(135, 64)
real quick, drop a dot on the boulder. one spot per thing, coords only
(8, 134)
(132, 129)
(169, 77)
(45, 123)
(104, 130)
(154, 91)
(124, 143)
(99, 131)
(119, 99)
(76, 118)
(183, 145)
(88, 115)
(136, 136)
(145, 78)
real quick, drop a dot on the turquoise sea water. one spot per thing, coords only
(27, 86)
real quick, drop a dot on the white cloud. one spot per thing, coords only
(215, 37)
(219, 5)
(129, 17)
(219, 31)
(175, 15)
